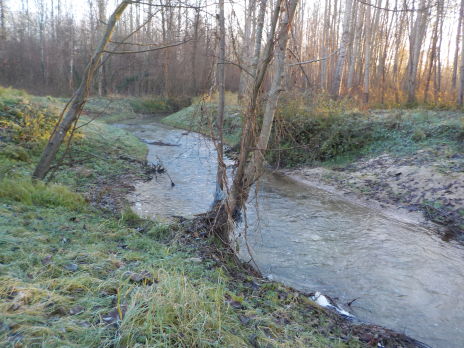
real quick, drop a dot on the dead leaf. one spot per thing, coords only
(72, 267)
(46, 260)
(117, 314)
(144, 277)
(76, 310)
(244, 319)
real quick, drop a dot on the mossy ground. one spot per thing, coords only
(73, 275)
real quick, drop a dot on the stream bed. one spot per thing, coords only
(402, 276)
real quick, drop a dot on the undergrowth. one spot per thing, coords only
(72, 275)
(201, 118)
(318, 130)
(158, 104)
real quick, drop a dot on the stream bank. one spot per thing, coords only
(401, 275)
(422, 188)
(409, 160)
(80, 272)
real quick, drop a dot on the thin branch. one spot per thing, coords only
(150, 49)
(238, 65)
(103, 61)
(315, 60)
(134, 43)
(422, 9)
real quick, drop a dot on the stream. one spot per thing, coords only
(402, 276)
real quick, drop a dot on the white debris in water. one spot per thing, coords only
(323, 301)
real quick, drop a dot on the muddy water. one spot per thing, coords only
(402, 276)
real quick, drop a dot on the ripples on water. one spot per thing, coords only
(402, 276)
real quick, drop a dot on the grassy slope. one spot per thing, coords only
(118, 108)
(199, 117)
(65, 266)
(320, 131)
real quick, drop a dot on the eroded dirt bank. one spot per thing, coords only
(426, 187)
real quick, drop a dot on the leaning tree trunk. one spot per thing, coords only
(248, 171)
(77, 102)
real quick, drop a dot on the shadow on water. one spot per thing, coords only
(402, 276)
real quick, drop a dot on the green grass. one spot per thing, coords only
(314, 136)
(159, 105)
(115, 109)
(200, 117)
(110, 109)
(72, 275)
(39, 194)
(97, 154)
(65, 280)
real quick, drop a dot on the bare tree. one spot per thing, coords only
(255, 143)
(416, 38)
(101, 31)
(246, 48)
(2, 20)
(221, 179)
(458, 37)
(337, 78)
(367, 54)
(460, 100)
(74, 107)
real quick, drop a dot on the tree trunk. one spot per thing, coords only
(325, 43)
(249, 171)
(194, 53)
(245, 49)
(101, 31)
(77, 102)
(416, 39)
(337, 78)
(432, 56)
(456, 53)
(2, 20)
(357, 30)
(219, 139)
(367, 55)
(461, 72)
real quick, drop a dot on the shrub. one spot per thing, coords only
(15, 152)
(24, 121)
(309, 129)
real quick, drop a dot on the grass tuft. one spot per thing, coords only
(178, 312)
(38, 193)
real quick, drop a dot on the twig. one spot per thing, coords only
(315, 60)
(149, 49)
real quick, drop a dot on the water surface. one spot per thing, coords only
(401, 275)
